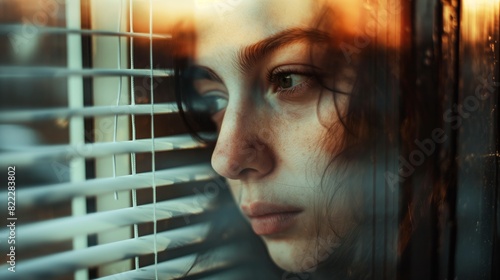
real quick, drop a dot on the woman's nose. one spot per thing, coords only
(240, 152)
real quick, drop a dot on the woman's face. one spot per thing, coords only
(263, 65)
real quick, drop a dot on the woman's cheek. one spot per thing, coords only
(235, 188)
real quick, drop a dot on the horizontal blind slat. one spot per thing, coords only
(166, 270)
(10, 116)
(93, 256)
(55, 72)
(51, 194)
(224, 257)
(29, 155)
(65, 228)
(12, 29)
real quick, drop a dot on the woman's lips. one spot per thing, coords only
(267, 218)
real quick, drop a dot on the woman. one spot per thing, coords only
(292, 88)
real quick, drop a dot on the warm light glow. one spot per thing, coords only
(483, 5)
(370, 20)
(479, 19)
(166, 14)
(362, 20)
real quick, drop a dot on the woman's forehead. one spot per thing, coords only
(249, 21)
(236, 24)
(220, 37)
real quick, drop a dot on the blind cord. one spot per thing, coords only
(133, 161)
(153, 154)
(118, 97)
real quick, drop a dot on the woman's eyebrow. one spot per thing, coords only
(250, 55)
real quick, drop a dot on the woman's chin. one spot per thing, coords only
(291, 256)
(287, 265)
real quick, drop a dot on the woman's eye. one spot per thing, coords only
(290, 83)
(215, 102)
(291, 80)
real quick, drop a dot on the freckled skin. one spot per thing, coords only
(271, 149)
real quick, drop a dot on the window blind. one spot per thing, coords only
(109, 184)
